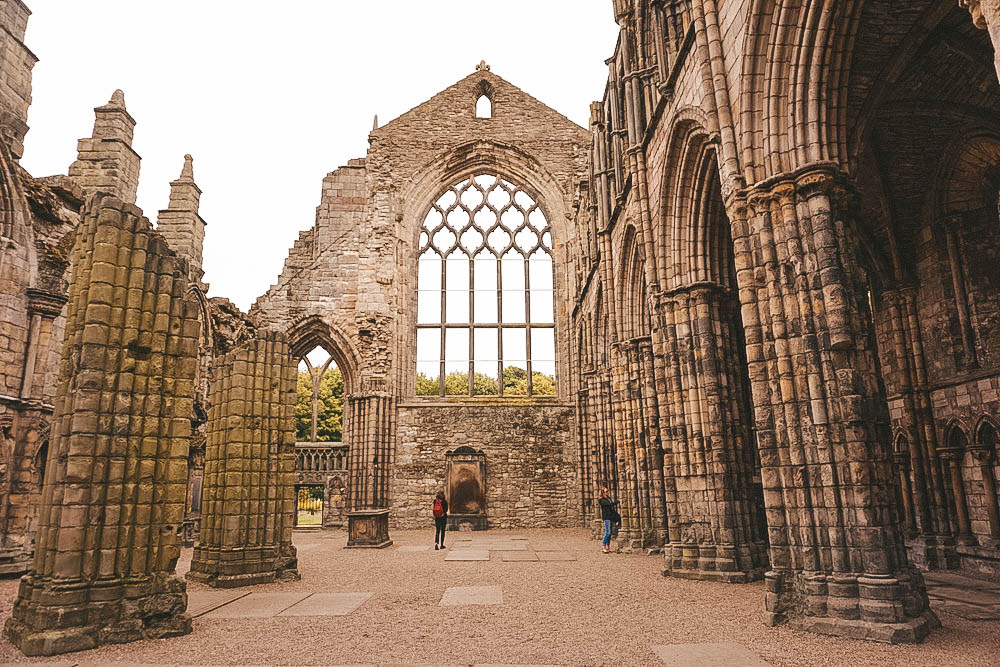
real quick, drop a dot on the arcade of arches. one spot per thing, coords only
(757, 298)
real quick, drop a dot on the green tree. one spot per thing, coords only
(427, 386)
(515, 382)
(329, 417)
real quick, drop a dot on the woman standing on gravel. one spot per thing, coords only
(440, 520)
(610, 516)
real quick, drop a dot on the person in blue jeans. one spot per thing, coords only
(610, 516)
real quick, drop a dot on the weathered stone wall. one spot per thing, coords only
(16, 63)
(532, 461)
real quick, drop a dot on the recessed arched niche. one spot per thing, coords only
(465, 486)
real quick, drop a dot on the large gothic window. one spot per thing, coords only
(485, 324)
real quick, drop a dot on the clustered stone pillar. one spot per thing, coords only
(370, 421)
(933, 545)
(838, 562)
(639, 457)
(710, 460)
(248, 492)
(113, 504)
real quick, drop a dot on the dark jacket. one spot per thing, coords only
(608, 511)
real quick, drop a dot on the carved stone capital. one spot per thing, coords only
(815, 183)
(45, 303)
(951, 454)
(983, 455)
(784, 193)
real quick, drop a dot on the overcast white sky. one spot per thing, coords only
(270, 96)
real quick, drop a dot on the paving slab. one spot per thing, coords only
(202, 602)
(554, 555)
(258, 605)
(509, 546)
(715, 654)
(468, 554)
(510, 556)
(936, 578)
(965, 595)
(463, 595)
(967, 611)
(306, 547)
(327, 604)
(411, 549)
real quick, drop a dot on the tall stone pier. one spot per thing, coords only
(113, 501)
(248, 497)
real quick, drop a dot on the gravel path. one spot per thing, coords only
(599, 609)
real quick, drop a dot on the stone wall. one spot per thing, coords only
(532, 461)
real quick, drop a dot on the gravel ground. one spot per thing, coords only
(599, 609)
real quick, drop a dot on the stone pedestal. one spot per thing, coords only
(368, 529)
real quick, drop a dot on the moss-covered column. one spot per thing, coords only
(113, 503)
(248, 494)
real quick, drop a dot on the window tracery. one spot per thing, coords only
(485, 314)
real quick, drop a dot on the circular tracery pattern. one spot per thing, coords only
(485, 321)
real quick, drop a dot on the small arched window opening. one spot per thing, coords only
(484, 100)
(484, 107)
(319, 409)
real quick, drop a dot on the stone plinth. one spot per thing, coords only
(368, 529)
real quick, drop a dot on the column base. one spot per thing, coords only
(232, 568)
(912, 631)
(368, 529)
(727, 563)
(60, 617)
(886, 608)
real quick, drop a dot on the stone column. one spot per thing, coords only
(113, 504)
(838, 562)
(953, 459)
(902, 461)
(248, 492)
(984, 457)
(710, 452)
(370, 420)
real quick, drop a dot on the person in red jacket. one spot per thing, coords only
(440, 520)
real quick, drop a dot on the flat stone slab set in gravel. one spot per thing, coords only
(511, 549)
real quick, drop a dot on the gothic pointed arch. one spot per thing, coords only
(313, 331)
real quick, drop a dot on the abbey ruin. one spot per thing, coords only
(757, 298)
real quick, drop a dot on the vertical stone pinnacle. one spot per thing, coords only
(187, 171)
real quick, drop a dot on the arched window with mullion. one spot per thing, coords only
(485, 314)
